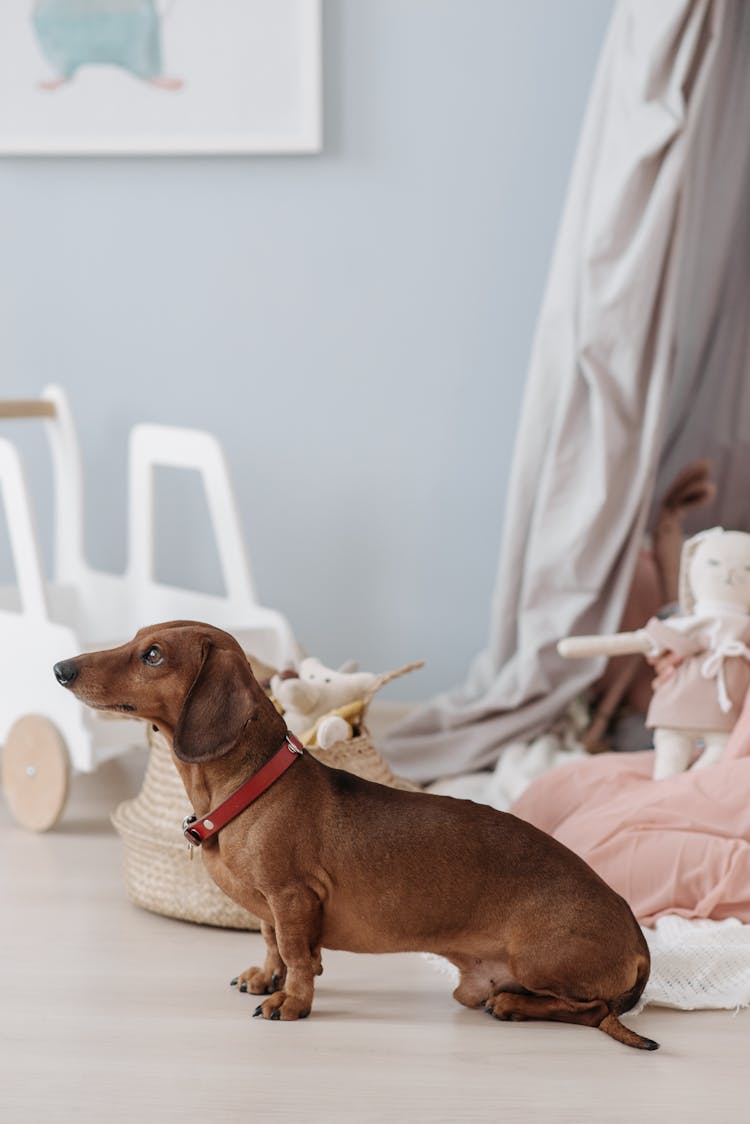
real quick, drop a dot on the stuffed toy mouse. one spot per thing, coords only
(322, 706)
(703, 698)
(315, 693)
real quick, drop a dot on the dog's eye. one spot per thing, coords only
(153, 656)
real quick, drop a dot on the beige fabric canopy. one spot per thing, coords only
(639, 364)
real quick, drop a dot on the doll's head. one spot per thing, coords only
(715, 568)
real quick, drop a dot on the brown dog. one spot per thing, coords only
(327, 860)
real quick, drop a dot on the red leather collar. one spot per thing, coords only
(196, 831)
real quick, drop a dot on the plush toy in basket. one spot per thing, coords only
(327, 709)
(702, 699)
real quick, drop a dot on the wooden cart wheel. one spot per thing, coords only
(35, 772)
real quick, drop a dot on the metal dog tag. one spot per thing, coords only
(191, 819)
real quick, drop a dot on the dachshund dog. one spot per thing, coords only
(328, 860)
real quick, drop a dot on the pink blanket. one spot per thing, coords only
(680, 845)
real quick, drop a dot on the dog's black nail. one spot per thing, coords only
(258, 1011)
(233, 983)
(243, 987)
(276, 1015)
(304, 1014)
(275, 982)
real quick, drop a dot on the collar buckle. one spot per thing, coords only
(192, 836)
(294, 744)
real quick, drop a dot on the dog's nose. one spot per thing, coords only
(65, 672)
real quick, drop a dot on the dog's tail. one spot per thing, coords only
(612, 1026)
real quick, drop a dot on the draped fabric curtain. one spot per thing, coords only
(639, 363)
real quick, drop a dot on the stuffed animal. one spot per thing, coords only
(316, 692)
(703, 698)
(322, 706)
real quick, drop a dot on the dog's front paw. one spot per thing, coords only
(258, 982)
(283, 1006)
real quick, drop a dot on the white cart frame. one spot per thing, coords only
(82, 608)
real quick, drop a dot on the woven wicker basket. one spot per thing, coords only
(159, 873)
(359, 756)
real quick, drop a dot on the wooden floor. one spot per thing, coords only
(110, 1014)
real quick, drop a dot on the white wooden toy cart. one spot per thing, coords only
(46, 733)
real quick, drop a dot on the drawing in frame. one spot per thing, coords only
(159, 76)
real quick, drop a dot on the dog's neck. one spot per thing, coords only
(209, 783)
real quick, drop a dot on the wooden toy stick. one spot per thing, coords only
(17, 408)
(621, 644)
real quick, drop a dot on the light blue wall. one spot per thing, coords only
(354, 326)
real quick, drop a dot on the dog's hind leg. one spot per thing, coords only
(508, 1005)
(593, 1012)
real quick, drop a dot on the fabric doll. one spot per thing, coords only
(702, 700)
(619, 699)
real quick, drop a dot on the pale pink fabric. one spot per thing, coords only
(680, 845)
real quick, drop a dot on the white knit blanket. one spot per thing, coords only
(698, 964)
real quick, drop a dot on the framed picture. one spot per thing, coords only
(159, 76)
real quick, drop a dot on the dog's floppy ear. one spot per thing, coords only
(216, 707)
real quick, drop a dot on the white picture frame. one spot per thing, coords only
(160, 77)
